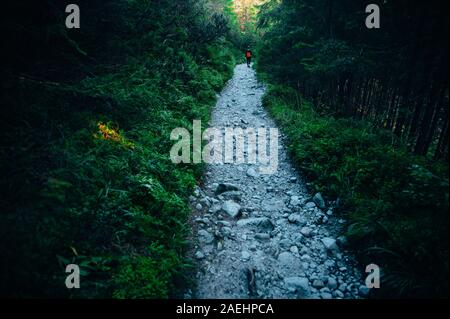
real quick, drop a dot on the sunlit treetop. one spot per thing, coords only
(246, 11)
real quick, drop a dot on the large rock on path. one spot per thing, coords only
(224, 187)
(231, 208)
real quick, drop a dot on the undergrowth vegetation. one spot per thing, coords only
(396, 203)
(86, 173)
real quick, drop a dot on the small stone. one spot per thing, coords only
(262, 224)
(318, 284)
(330, 244)
(199, 255)
(305, 257)
(306, 231)
(295, 201)
(251, 172)
(293, 179)
(294, 250)
(224, 223)
(226, 232)
(297, 219)
(262, 236)
(332, 283)
(205, 237)
(199, 206)
(325, 289)
(342, 241)
(215, 208)
(298, 284)
(319, 201)
(232, 195)
(222, 188)
(310, 205)
(286, 258)
(205, 202)
(338, 294)
(245, 255)
(304, 250)
(231, 208)
(203, 221)
(285, 243)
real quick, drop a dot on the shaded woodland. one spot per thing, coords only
(366, 111)
(395, 77)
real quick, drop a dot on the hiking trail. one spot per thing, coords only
(265, 236)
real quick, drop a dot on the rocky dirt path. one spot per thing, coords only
(264, 236)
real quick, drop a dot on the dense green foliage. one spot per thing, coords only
(86, 121)
(396, 203)
(354, 128)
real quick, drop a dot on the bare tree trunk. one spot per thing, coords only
(422, 144)
(442, 147)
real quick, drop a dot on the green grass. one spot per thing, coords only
(396, 203)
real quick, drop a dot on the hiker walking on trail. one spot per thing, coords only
(248, 56)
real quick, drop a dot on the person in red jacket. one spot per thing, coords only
(248, 56)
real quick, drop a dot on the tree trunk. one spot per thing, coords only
(442, 147)
(422, 144)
